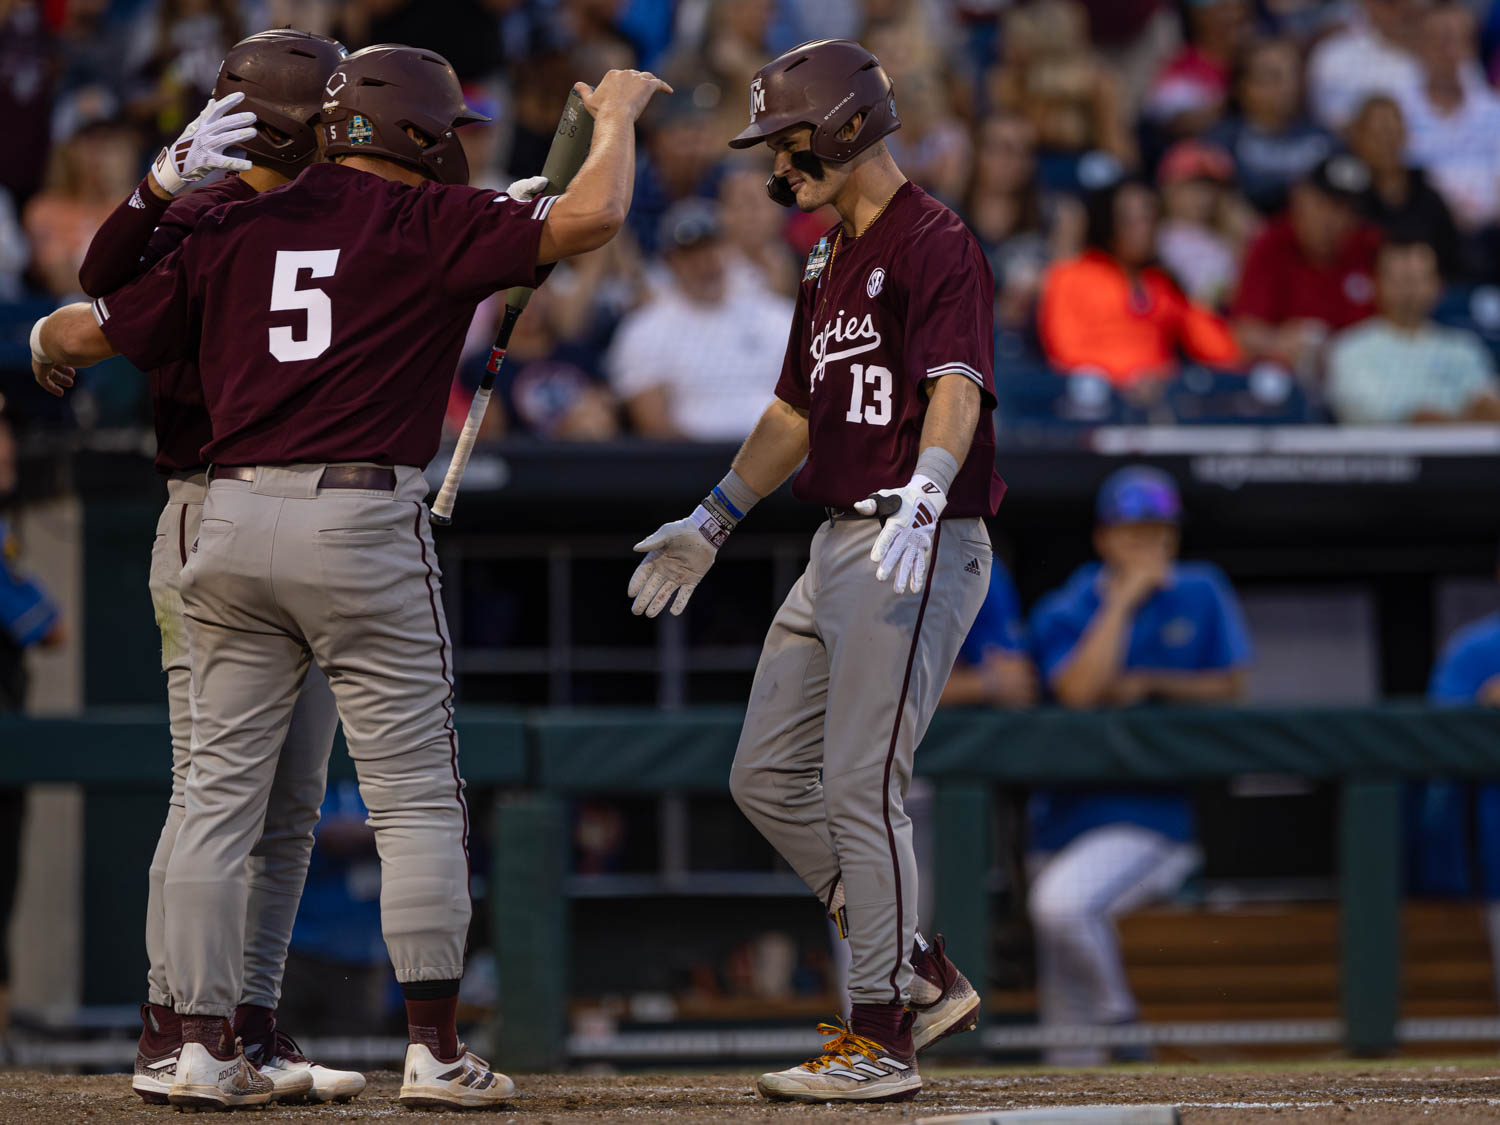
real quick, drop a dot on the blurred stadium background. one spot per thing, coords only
(1254, 243)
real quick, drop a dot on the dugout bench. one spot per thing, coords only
(545, 758)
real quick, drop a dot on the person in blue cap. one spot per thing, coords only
(1136, 627)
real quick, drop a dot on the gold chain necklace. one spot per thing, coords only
(838, 240)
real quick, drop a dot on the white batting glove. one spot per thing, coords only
(679, 555)
(905, 542)
(524, 191)
(203, 146)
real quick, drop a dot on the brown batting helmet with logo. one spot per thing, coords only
(281, 73)
(376, 95)
(822, 85)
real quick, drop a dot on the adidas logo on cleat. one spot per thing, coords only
(972, 567)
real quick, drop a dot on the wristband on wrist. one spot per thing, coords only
(729, 502)
(937, 465)
(38, 353)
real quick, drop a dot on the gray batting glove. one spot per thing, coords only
(678, 556)
(524, 191)
(904, 545)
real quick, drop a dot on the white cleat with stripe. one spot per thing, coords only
(850, 1069)
(468, 1083)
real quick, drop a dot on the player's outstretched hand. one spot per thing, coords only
(623, 92)
(904, 546)
(203, 146)
(678, 556)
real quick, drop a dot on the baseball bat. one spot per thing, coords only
(570, 147)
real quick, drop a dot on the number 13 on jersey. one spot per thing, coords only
(878, 412)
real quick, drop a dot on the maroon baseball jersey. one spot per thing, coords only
(327, 315)
(140, 233)
(908, 301)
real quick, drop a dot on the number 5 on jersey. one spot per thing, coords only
(878, 412)
(285, 297)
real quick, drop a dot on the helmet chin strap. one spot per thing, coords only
(805, 162)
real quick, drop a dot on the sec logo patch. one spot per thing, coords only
(875, 282)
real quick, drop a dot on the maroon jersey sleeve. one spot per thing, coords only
(488, 240)
(154, 320)
(114, 255)
(950, 312)
(792, 387)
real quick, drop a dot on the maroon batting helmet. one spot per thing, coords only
(377, 94)
(822, 85)
(281, 73)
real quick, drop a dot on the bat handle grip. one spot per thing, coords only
(442, 507)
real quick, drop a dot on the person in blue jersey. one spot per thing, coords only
(994, 665)
(1444, 813)
(28, 618)
(1136, 627)
(337, 952)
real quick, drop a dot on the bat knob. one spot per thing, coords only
(441, 521)
(887, 506)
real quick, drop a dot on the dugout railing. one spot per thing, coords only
(544, 759)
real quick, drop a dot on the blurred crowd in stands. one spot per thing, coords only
(1195, 210)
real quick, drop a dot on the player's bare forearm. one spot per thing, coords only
(774, 449)
(593, 209)
(952, 415)
(73, 337)
(1224, 686)
(1087, 678)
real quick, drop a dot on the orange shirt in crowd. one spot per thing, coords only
(1092, 316)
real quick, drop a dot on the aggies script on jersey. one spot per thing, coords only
(912, 299)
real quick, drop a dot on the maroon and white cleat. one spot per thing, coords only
(942, 999)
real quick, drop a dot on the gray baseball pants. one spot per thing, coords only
(278, 861)
(286, 574)
(847, 682)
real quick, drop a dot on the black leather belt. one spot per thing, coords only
(367, 478)
(837, 514)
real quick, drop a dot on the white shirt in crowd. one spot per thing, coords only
(719, 363)
(1348, 67)
(1379, 375)
(1460, 152)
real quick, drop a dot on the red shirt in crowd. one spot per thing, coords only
(1094, 316)
(1279, 283)
(327, 315)
(909, 301)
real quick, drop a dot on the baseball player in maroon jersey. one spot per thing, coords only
(886, 390)
(266, 100)
(327, 318)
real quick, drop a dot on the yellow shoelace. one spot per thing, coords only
(843, 1044)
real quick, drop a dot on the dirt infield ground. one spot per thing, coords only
(1376, 1092)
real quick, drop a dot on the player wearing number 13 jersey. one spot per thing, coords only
(887, 391)
(326, 319)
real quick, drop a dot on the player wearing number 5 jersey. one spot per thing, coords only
(886, 389)
(327, 318)
(269, 93)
